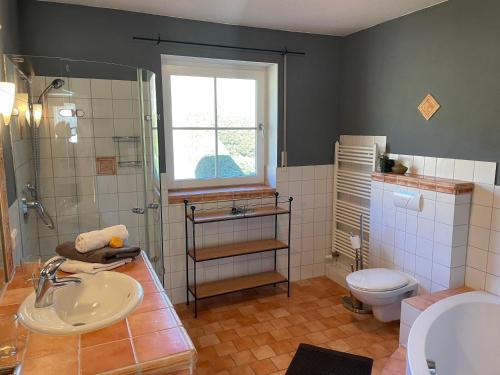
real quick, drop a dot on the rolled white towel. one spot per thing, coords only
(97, 239)
(75, 266)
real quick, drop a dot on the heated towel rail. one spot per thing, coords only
(351, 196)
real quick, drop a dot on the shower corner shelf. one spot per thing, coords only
(225, 286)
(120, 157)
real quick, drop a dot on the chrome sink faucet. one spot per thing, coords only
(48, 282)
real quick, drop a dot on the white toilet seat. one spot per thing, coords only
(383, 289)
(377, 280)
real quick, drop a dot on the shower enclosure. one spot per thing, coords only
(85, 152)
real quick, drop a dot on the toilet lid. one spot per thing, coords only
(377, 279)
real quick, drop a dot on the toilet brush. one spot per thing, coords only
(350, 302)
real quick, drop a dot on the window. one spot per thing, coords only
(215, 123)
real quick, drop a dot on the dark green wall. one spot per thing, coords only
(452, 51)
(9, 43)
(52, 29)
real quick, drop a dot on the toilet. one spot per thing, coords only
(383, 289)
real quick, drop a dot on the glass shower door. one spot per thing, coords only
(152, 182)
(96, 163)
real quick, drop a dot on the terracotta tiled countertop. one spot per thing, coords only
(441, 185)
(151, 340)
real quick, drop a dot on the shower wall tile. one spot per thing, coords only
(103, 128)
(101, 88)
(102, 108)
(76, 197)
(121, 89)
(80, 87)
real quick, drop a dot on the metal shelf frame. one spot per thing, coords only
(190, 215)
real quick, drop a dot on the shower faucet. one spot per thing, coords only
(36, 205)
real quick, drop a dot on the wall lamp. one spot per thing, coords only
(7, 96)
(37, 114)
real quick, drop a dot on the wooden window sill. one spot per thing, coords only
(176, 196)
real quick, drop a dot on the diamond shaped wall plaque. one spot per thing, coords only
(429, 107)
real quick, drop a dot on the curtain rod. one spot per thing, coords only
(158, 40)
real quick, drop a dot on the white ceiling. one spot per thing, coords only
(332, 17)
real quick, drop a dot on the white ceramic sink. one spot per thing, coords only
(99, 301)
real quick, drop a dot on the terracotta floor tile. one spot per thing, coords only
(222, 363)
(213, 328)
(338, 345)
(279, 313)
(208, 340)
(280, 323)
(263, 352)
(260, 330)
(317, 338)
(263, 338)
(105, 357)
(263, 367)
(228, 324)
(228, 335)
(246, 331)
(225, 348)
(282, 347)
(263, 327)
(282, 361)
(296, 319)
(281, 334)
(244, 343)
(243, 358)
(242, 370)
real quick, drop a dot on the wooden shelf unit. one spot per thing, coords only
(210, 216)
(236, 249)
(216, 288)
(236, 284)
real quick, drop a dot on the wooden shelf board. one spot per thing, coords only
(216, 288)
(223, 215)
(236, 249)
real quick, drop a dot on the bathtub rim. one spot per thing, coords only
(415, 357)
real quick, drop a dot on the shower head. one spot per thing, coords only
(55, 84)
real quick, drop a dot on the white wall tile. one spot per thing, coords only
(493, 284)
(479, 237)
(483, 194)
(477, 258)
(481, 216)
(484, 172)
(445, 168)
(101, 88)
(464, 170)
(474, 278)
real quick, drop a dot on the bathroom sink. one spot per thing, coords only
(99, 301)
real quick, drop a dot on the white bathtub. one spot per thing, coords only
(461, 334)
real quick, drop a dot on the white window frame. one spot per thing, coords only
(199, 67)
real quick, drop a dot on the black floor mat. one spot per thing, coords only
(311, 360)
